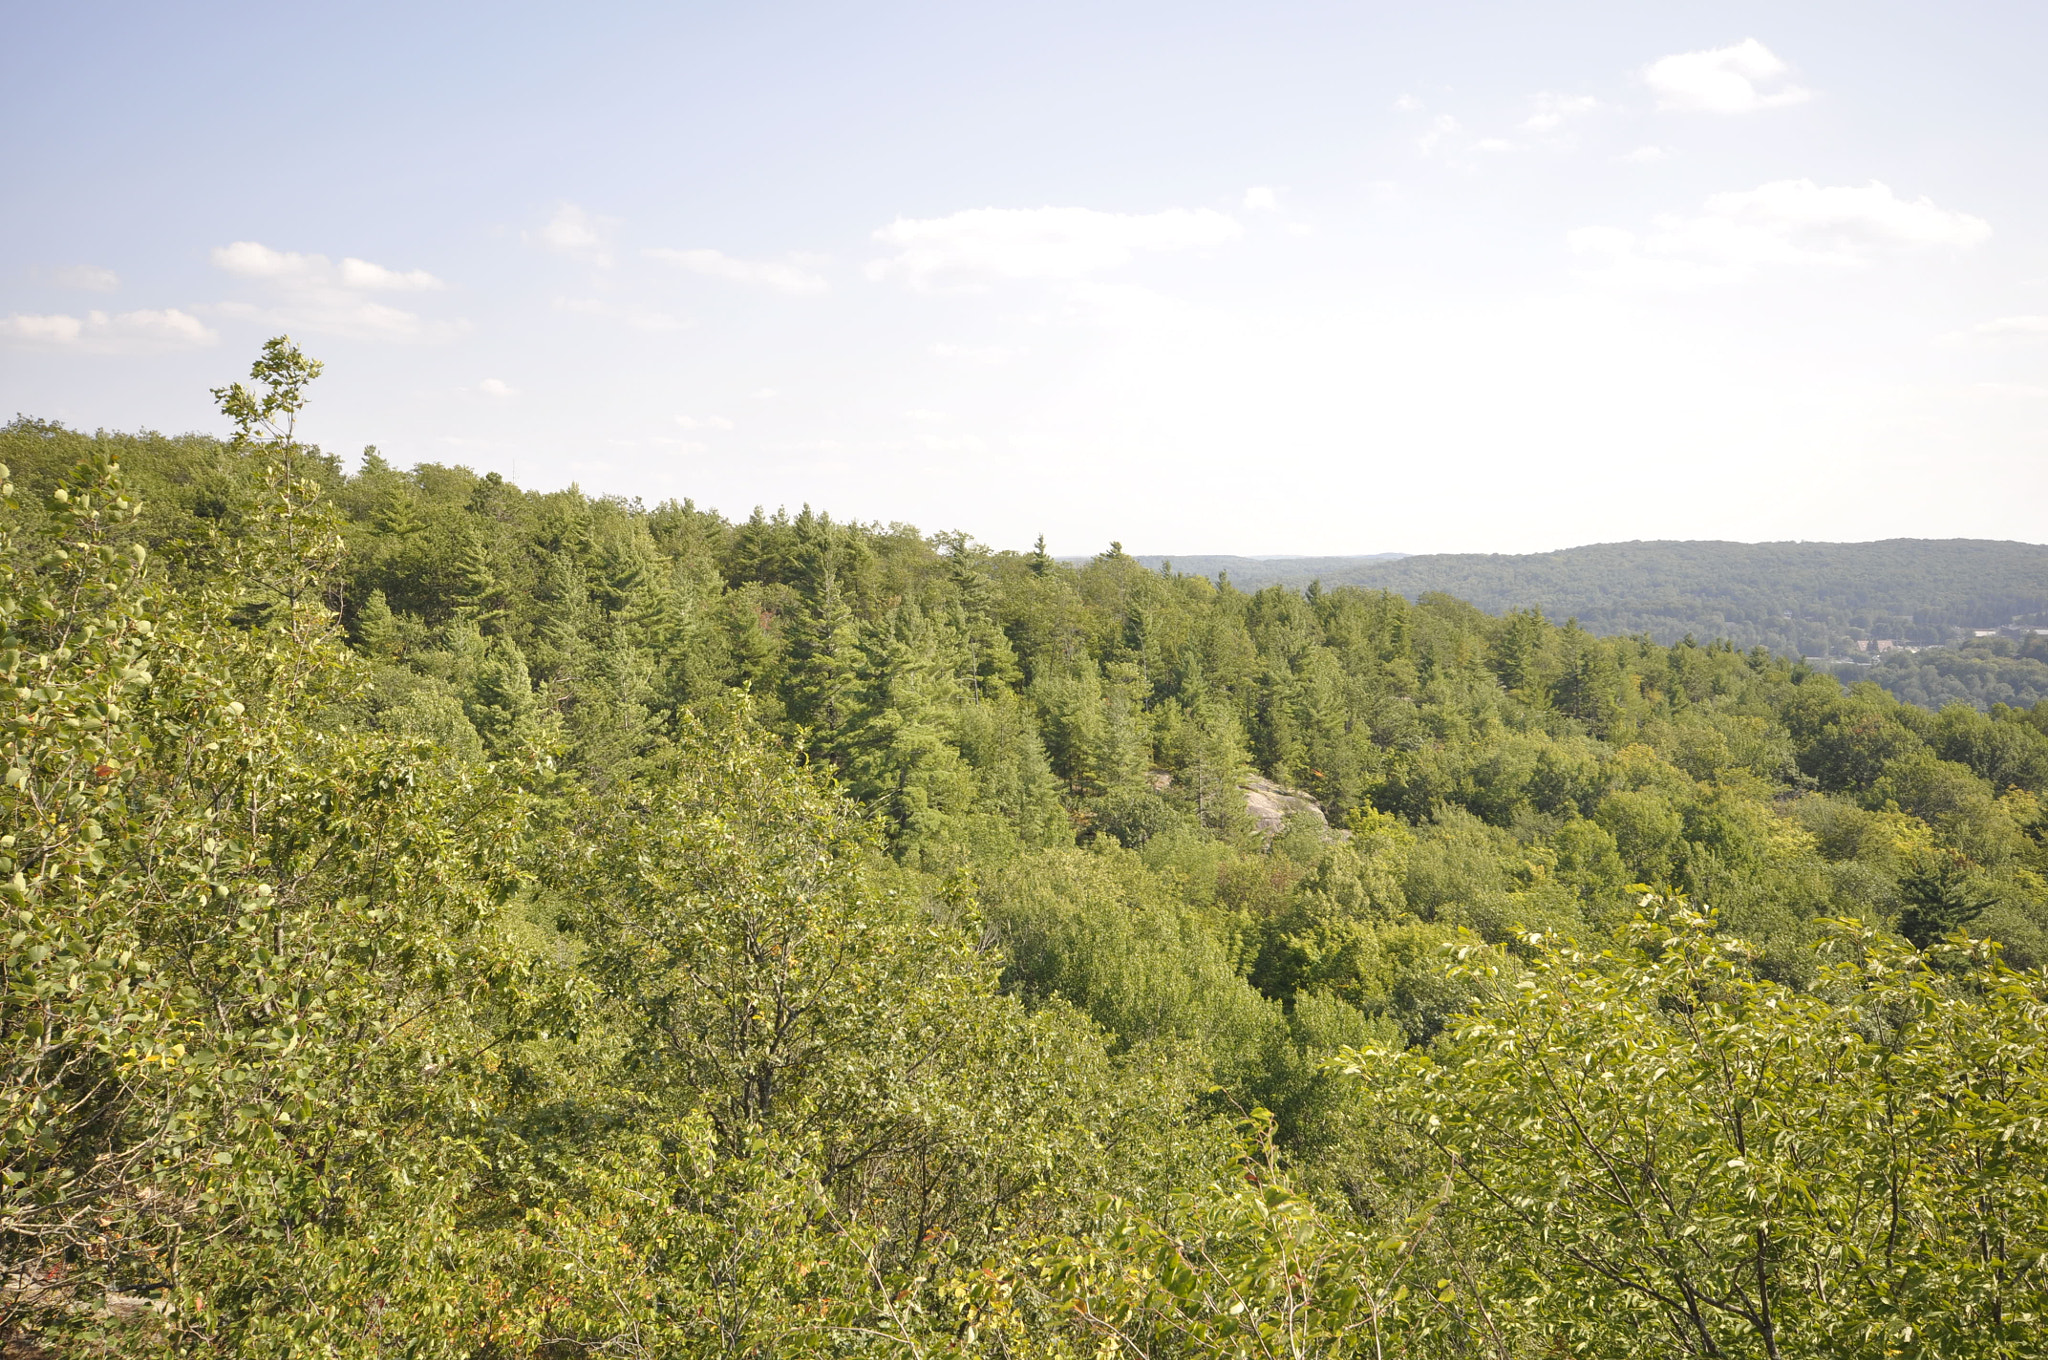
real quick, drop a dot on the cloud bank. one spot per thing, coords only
(104, 333)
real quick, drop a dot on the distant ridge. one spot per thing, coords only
(1264, 570)
(1799, 598)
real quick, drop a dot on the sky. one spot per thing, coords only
(1266, 278)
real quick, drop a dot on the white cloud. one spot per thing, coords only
(1723, 80)
(497, 387)
(102, 333)
(1443, 126)
(310, 292)
(44, 330)
(1407, 103)
(1039, 243)
(974, 355)
(254, 260)
(2014, 328)
(783, 278)
(1493, 144)
(361, 274)
(704, 422)
(922, 416)
(89, 277)
(1644, 155)
(1786, 222)
(1552, 110)
(578, 234)
(1259, 198)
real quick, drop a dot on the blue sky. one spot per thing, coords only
(1308, 278)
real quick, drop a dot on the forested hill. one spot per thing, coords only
(457, 922)
(1250, 573)
(1798, 599)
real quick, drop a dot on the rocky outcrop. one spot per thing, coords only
(1272, 804)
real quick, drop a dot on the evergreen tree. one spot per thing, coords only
(376, 629)
(564, 620)
(901, 762)
(824, 665)
(1940, 897)
(475, 593)
(396, 513)
(501, 703)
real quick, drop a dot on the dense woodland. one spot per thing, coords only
(1802, 599)
(1980, 672)
(452, 920)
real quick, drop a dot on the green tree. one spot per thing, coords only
(500, 703)
(824, 662)
(1940, 897)
(1655, 1145)
(475, 593)
(376, 629)
(254, 966)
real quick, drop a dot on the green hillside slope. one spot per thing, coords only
(1811, 599)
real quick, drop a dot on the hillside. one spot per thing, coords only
(1810, 599)
(451, 920)
(1980, 672)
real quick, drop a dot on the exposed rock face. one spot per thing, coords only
(1272, 804)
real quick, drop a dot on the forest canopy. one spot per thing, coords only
(1802, 599)
(446, 919)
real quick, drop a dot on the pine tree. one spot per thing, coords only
(563, 621)
(397, 514)
(986, 653)
(900, 761)
(1940, 897)
(1125, 753)
(622, 573)
(501, 704)
(376, 629)
(824, 685)
(475, 593)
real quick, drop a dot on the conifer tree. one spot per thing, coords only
(501, 703)
(824, 684)
(986, 650)
(563, 620)
(475, 593)
(376, 629)
(901, 762)
(397, 513)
